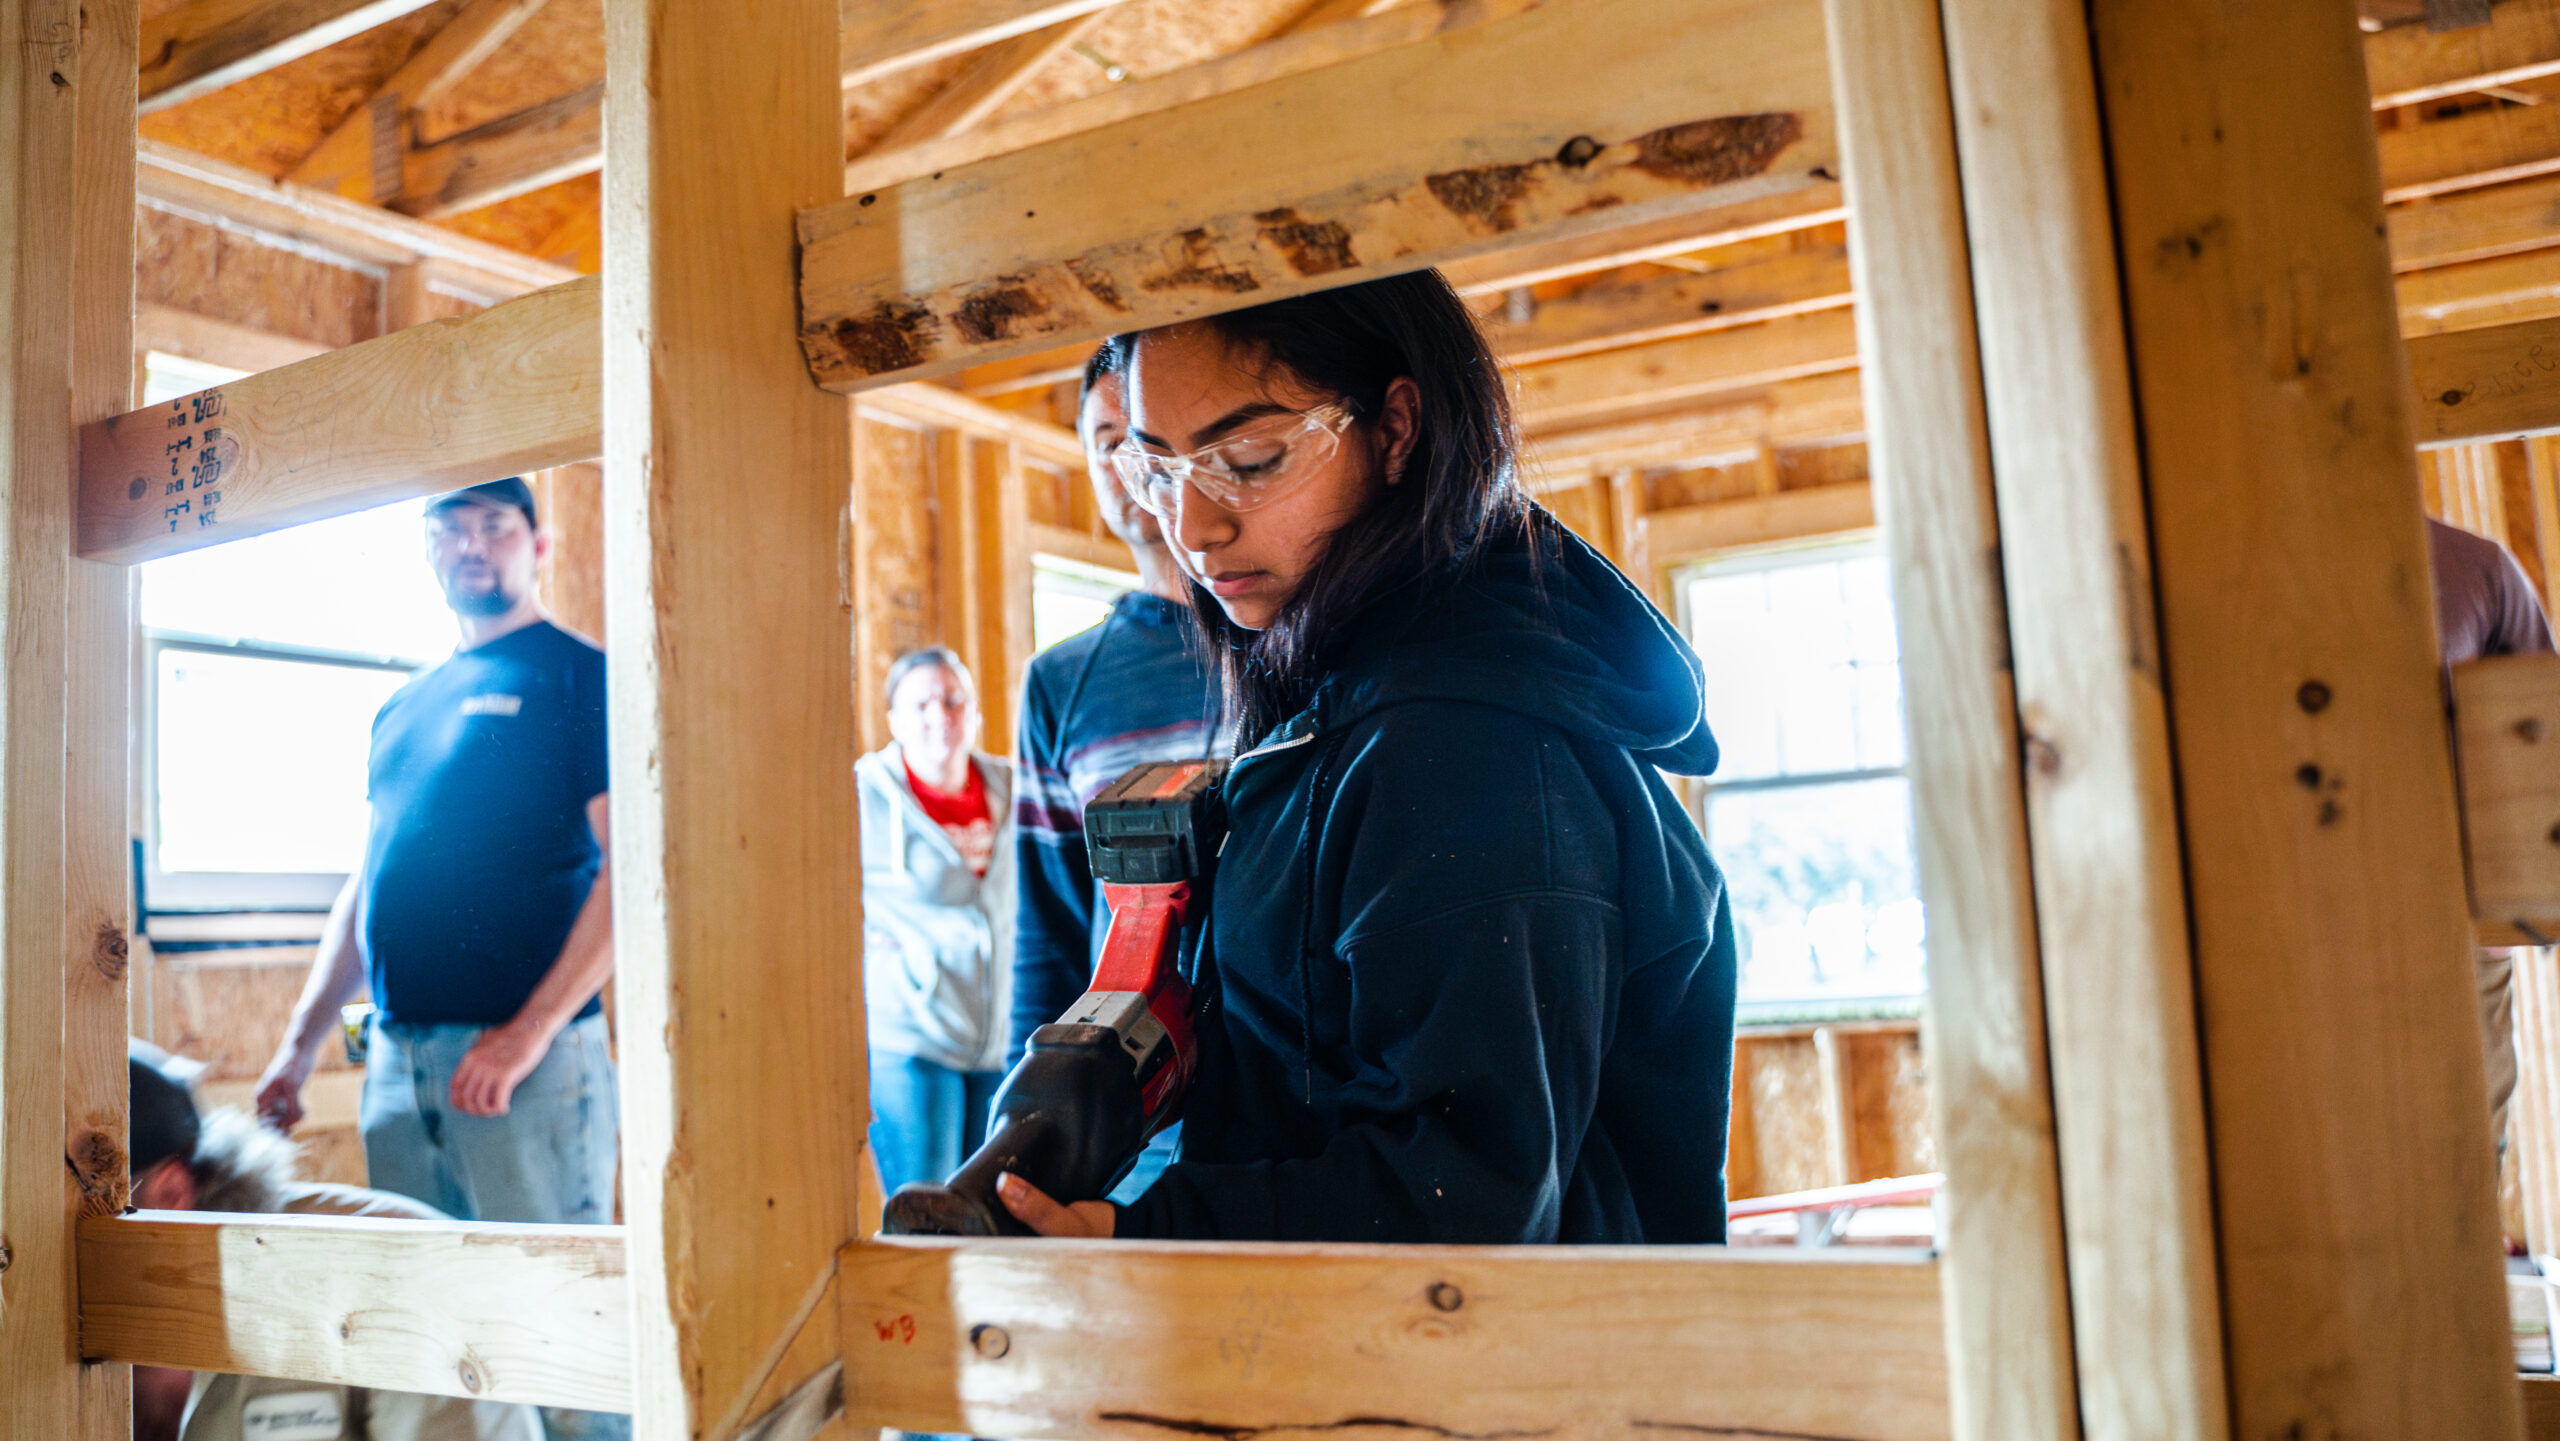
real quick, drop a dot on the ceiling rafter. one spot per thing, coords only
(361, 158)
(205, 45)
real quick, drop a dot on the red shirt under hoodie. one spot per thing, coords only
(962, 814)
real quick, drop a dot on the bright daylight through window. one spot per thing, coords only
(1068, 596)
(267, 660)
(1809, 813)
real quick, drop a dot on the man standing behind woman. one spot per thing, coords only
(1135, 688)
(937, 920)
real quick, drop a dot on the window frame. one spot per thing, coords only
(1700, 792)
(186, 893)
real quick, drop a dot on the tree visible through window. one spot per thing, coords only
(1809, 812)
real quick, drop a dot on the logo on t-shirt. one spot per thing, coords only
(492, 704)
(293, 1416)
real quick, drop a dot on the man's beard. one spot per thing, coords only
(493, 601)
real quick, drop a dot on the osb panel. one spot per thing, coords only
(571, 499)
(1049, 495)
(893, 538)
(528, 223)
(229, 1008)
(196, 267)
(270, 122)
(1888, 1105)
(558, 52)
(872, 108)
(1786, 1110)
(1153, 37)
(331, 1153)
(1578, 507)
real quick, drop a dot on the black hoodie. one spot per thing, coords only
(1474, 971)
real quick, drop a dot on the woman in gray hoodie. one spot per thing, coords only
(937, 920)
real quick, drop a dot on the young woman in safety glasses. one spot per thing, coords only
(1474, 969)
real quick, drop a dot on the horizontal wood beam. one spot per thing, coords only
(513, 154)
(1818, 410)
(1533, 264)
(204, 45)
(1642, 376)
(946, 409)
(1557, 121)
(1679, 534)
(880, 38)
(513, 388)
(1106, 551)
(1292, 54)
(2488, 384)
(2483, 147)
(190, 336)
(2409, 64)
(2475, 224)
(1143, 1342)
(200, 187)
(536, 1314)
(1669, 304)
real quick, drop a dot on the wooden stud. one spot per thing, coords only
(1632, 528)
(1990, 1092)
(97, 867)
(1003, 567)
(496, 1312)
(1839, 1141)
(1603, 114)
(999, 1339)
(2478, 293)
(2506, 712)
(39, 90)
(452, 403)
(1533, 264)
(955, 547)
(2534, 1123)
(203, 45)
(737, 873)
(2110, 899)
(572, 502)
(2324, 869)
(361, 158)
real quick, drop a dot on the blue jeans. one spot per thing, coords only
(551, 1158)
(925, 1118)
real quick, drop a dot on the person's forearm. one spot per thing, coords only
(335, 973)
(585, 964)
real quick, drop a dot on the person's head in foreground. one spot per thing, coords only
(1306, 456)
(1474, 971)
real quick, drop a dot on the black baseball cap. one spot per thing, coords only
(164, 1124)
(510, 491)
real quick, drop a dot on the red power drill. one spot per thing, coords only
(1094, 1085)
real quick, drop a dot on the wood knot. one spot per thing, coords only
(472, 1380)
(2529, 730)
(989, 1341)
(1445, 1297)
(1581, 150)
(110, 952)
(2043, 756)
(2313, 696)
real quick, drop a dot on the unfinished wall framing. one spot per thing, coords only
(2126, 1252)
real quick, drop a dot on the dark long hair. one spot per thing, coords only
(1459, 488)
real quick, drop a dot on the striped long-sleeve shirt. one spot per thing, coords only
(1132, 689)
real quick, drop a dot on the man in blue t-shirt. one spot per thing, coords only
(1134, 688)
(481, 918)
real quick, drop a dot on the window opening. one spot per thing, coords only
(1809, 811)
(1069, 597)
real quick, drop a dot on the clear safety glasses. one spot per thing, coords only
(1253, 465)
